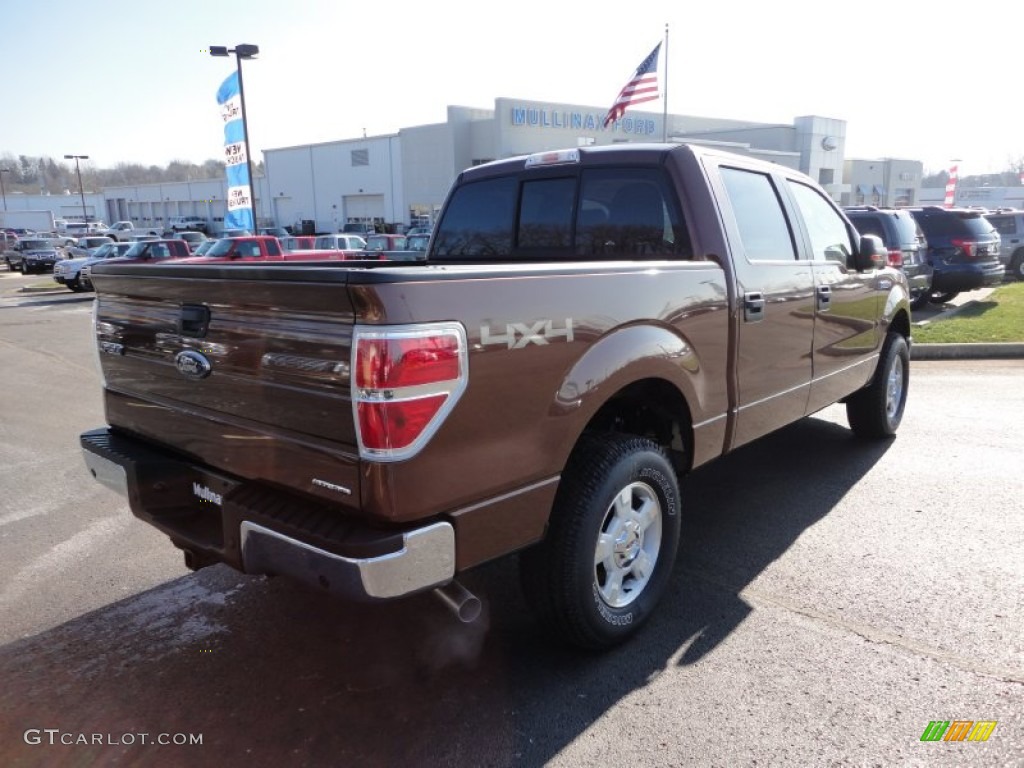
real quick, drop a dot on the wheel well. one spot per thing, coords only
(651, 408)
(901, 324)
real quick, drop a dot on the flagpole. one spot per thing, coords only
(664, 116)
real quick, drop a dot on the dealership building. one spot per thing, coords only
(403, 178)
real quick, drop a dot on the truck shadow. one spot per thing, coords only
(272, 674)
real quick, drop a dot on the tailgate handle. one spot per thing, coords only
(753, 306)
(194, 320)
(824, 297)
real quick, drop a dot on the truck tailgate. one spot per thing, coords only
(212, 363)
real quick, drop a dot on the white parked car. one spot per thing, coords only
(68, 272)
(339, 242)
(188, 223)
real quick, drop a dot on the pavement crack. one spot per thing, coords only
(867, 632)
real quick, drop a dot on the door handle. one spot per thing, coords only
(824, 297)
(753, 306)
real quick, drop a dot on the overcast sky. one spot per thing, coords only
(132, 81)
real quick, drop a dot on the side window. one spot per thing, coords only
(764, 230)
(830, 240)
(1005, 225)
(478, 221)
(628, 214)
(273, 249)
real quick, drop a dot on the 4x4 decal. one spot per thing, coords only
(519, 335)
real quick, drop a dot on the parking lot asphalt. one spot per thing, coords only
(832, 598)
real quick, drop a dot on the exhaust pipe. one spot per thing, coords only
(464, 604)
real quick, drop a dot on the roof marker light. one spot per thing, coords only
(553, 158)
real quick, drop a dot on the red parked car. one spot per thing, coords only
(142, 251)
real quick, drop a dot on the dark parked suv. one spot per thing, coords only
(905, 243)
(963, 248)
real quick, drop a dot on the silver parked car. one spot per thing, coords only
(1009, 223)
(69, 272)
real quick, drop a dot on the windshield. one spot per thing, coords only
(138, 249)
(220, 248)
(36, 245)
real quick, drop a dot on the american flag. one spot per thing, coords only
(642, 86)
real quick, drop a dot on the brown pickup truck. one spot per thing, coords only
(588, 325)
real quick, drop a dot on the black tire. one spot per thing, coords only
(942, 297)
(877, 410)
(1017, 265)
(571, 589)
(75, 286)
(24, 269)
(920, 301)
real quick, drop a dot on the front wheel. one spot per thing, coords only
(611, 543)
(877, 410)
(1017, 265)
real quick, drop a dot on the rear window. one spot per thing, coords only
(599, 213)
(956, 224)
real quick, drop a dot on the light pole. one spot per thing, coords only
(81, 191)
(243, 51)
(3, 191)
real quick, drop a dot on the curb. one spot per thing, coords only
(978, 351)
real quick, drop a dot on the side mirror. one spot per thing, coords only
(871, 254)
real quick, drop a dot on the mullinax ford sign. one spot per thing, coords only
(533, 117)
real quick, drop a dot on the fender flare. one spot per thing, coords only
(622, 357)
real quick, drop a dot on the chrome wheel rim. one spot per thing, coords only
(628, 545)
(894, 388)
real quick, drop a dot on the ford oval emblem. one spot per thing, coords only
(192, 364)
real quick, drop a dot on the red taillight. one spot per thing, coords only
(895, 257)
(406, 380)
(969, 248)
(393, 425)
(390, 363)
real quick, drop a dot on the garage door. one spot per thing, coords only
(364, 207)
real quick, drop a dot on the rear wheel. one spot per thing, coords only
(920, 301)
(942, 297)
(608, 555)
(877, 410)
